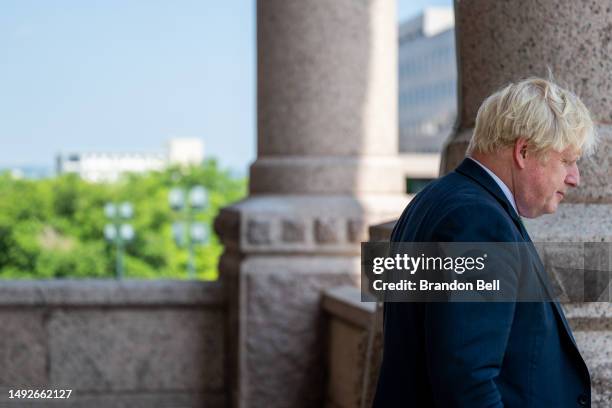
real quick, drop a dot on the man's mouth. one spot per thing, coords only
(561, 194)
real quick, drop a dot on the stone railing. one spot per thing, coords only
(114, 343)
(354, 341)
(353, 350)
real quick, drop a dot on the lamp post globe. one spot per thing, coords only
(127, 232)
(198, 197)
(110, 210)
(178, 233)
(110, 232)
(199, 234)
(176, 198)
(126, 210)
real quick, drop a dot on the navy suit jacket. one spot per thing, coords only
(475, 354)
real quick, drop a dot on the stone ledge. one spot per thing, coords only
(589, 316)
(331, 224)
(90, 292)
(382, 232)
(345, 303)
(598, 310)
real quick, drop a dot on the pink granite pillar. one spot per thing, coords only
(326, 167)
(503, 41)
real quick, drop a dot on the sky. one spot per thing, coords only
(127, 75)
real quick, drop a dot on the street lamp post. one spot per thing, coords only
(188, 232)
(118, 231)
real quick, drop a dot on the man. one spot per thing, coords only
(521, 161)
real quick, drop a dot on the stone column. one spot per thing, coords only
(499, 42)
(326, 167)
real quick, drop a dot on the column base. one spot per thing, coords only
(281, 253)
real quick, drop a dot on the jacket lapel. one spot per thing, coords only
(471, 169)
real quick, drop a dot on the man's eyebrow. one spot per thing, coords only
(573, 158)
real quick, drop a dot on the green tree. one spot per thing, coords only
(53, 228)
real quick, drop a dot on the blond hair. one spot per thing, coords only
(546, 115)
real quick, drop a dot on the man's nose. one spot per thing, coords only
(573, 176)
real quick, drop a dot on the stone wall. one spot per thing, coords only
(114, 343)
(501, 42)
(353, 350)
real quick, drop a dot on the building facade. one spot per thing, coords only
(108, 167)
(427, 80)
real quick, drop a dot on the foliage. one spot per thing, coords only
(53, 228)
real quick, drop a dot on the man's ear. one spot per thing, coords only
(519, 154)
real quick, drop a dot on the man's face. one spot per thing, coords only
(545, 182)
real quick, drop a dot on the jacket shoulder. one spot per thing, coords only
(455, 208)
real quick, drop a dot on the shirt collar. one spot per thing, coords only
(500, 183)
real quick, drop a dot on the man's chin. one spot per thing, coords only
(536, 213)
(551, 210)
(527, 214)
